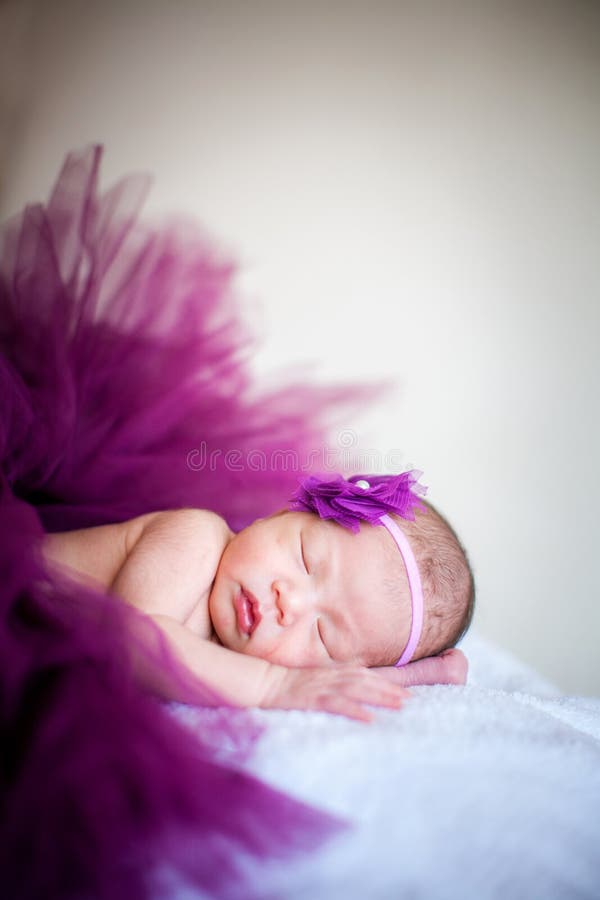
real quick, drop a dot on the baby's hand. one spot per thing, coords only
(345, 690)
(450, 667)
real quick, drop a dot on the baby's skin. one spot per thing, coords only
(289, 613)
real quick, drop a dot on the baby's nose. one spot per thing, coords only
(290, 601)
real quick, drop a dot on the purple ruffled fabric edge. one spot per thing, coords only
(102, 788)
(126, 346)
(121, 350)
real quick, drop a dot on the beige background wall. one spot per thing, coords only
(412, 189)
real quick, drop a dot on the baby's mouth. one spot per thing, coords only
(247, 611)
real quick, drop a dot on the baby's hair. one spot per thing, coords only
(448, 584)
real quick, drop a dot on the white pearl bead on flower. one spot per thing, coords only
(361, 483)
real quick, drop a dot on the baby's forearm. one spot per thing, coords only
(249, 681)
(240, 680)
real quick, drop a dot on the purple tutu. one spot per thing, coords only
(125, 387)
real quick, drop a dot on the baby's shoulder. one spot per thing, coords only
(190, 527)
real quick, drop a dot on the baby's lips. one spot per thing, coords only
(243, 611)
(247, 612)
(255, 607)
(257, 617)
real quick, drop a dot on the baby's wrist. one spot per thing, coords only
(272, 686)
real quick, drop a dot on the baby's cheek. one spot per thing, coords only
(222, 618)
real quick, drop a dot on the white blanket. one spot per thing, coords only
(486, 791)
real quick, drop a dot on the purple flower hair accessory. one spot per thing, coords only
(366, 498)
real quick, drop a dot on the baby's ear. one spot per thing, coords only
(450, 667)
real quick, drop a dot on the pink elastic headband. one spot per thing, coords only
(414, 585)
(370, 499)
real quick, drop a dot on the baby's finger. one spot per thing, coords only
(375, 691)
(345, 706)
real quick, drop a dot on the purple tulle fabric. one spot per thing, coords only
(125, 387)
(348, 502)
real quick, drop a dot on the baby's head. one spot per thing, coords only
(299, 590)
(446, 579)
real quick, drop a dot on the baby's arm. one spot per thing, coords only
(249, 681)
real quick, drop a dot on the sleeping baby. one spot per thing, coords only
(307, 608)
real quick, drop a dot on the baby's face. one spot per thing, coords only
(299, 591)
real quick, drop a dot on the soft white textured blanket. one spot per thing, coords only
(486, 791)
